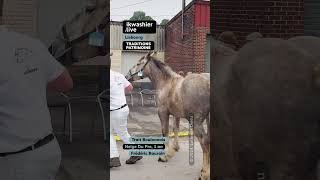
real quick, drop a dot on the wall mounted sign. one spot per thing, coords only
(139, 35)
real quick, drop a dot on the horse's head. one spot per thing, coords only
(94, 4)
(72, 40)
(140, 70)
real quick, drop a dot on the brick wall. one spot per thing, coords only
(276, 18)
(200, 39)
(179, 52)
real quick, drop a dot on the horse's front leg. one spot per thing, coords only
(164, 119)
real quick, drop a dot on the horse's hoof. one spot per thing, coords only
(176, 147)
(205, 175)
(203, 178)
(162, 159)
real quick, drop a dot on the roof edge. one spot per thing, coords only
(179, 13)
(187, 8)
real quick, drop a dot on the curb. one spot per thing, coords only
(180, 134)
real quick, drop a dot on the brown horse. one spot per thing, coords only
(178, 96)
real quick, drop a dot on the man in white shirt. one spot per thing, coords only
(119, 112)
(28, 148)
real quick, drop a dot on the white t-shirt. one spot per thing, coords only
(118, 83)
(26, 67)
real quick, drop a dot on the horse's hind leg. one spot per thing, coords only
(203, 139)
(176, 134)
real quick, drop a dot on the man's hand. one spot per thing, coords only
(62, 83)
(129, 88)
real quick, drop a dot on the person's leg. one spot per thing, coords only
(121, 129)
(120, 126)
(40, 164)
(114, 154)
(113, 146)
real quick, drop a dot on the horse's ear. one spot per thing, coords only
(154, 53)
(148, 55)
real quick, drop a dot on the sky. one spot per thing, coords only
(157, 9)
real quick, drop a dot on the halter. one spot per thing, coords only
(69, 43)
(141, 70)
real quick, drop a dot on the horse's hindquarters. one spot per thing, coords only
(195, 94)
(271, 101)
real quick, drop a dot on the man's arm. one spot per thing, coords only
(56, 75)
(62, 83)
(126, 84)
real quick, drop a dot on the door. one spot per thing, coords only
(21, 16)
(312, 17)
(1, 10)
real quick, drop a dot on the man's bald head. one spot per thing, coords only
(229, 39)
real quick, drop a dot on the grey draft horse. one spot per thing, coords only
(178, 96)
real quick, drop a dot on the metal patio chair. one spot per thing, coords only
(147, 92)
(130, 94)
(85, 87)
(61, 100)
(103, 95)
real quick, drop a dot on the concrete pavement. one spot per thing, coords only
(149, 168)
(84, 159)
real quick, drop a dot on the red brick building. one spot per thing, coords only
(186, 44)
(276, 18)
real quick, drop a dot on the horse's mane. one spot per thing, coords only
(163, 68)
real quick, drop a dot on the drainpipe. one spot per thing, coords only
(182, 17)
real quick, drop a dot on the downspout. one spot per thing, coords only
(182, 17)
